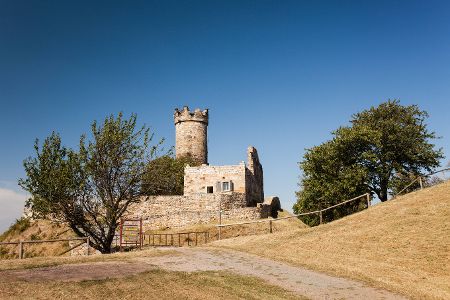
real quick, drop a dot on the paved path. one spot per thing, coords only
(304, 282)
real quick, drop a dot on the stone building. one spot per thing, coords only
(234, 191)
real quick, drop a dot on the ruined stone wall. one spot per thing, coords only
(197, 179)
(179, 211)
(191, 134)
(254, 178)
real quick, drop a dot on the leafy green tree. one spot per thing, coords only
(382, 149)
(90, 189)
(165, 175)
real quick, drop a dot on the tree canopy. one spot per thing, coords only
(382, 149)
(90, 189)
(165, 175)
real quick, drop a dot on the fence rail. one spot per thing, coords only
(319, 212)
(21, 244)
(176, 239)
(419, 179)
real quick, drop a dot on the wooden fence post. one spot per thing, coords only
(87, 245)
(421, 183)
(20, 250)
(220, 232)
(320, 216)
(368, 200)
(270, 226)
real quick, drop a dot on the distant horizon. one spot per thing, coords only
(280, 76)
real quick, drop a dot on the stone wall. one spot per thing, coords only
(191, 134)
(197, 179)
(179, 211)
(254, 178)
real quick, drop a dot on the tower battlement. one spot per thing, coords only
(191, 134)
(186, 115)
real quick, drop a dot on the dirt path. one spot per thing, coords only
(307, 283)
(301, 281)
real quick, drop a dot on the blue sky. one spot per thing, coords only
(278, 75)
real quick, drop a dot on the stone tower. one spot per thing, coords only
(191, 134)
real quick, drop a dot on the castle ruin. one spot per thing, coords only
(234, 191)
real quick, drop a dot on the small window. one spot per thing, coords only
(209, 190)
(225, 186)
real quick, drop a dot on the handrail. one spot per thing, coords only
(149, 236)
(419, 178)
(296, 215)
(21, 243)
(43, 241)
(333, 206)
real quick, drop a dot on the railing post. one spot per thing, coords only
(320, 217)
(121, 233)
(270, 226)
(87, 245)
(368, 200)
(220, 232)
(421, 183)
(20, 250)
(179, 239)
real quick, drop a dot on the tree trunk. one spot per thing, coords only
(383, 195)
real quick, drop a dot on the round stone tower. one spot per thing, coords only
(191, 134)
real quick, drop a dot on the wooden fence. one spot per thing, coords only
(178, 239)
(318, 212)
(21, 245)
(422, 180)
(419, 179)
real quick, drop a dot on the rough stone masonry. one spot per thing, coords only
(236, 190)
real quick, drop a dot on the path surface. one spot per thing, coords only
(304, 282)
(301, 281)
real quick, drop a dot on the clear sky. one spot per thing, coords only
(278, 75)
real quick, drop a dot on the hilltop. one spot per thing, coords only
(402, 245)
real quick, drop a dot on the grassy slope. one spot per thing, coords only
(155, 284)
(402, 245)
(35, 230)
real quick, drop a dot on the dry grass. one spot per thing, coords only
(36, 230)
(401, 245)
(37, 262)
(153, 284)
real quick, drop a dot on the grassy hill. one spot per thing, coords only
(401, 245)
